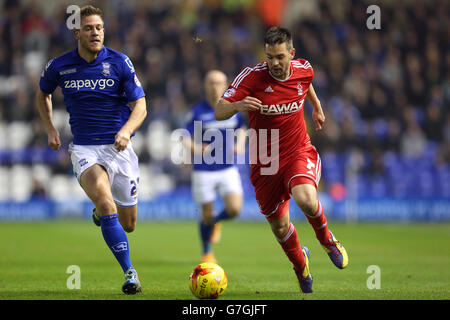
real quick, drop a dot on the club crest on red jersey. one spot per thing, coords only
(229, 93)
(299, 88)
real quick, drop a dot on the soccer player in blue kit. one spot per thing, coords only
(106, 104)
(217, 174)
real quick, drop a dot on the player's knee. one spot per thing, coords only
(105, 207)
(308, 206)
(128, 218)
(207, 217)
(233, 205)
(233, 212)
(307, 201)
(280, 229)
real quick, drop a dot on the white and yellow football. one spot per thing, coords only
(208, 281)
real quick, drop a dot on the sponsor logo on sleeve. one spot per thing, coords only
(136, 80)
(130, 65)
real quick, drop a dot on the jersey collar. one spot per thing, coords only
(290, 75)
(100, 56)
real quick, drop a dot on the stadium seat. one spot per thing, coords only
(20, 183)
(4, 182)
(158, 139)
(60, 187)
(42, 173)
(18, 135)
(3, 130)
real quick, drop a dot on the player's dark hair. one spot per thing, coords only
(278, 35)
(89, 10)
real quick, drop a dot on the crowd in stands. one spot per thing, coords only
(385, 92)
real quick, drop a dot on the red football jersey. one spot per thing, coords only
(282, 107)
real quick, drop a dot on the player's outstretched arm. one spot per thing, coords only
(225, 109)
(317, 115)
(45, 108)
(137, 116)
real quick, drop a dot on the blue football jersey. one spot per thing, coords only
(96, 94)
(202, 115)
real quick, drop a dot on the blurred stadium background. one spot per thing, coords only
(385, 147)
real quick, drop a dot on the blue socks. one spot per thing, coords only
(205, 235)
(116, 239)
(221, 216)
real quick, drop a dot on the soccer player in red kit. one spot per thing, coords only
(273, 93)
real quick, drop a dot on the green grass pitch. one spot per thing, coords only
(414, 261)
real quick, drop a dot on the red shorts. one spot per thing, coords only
(274, 191)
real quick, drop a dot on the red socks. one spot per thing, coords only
(320, 225)
(292, 248)
(291, 245)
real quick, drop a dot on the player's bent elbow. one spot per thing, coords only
(144, 114)
(42, 96)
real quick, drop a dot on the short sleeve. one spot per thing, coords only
(239, 88)
(305, 66)
(311, 71)
(131, 84)
(49, 78)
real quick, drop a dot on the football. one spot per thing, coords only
(208, 281)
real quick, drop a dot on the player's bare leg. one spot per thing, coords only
(233, 206)
(305, 195)
(127, 217)
(286, 235)
(95, 182)
(208, 212)
(280, 226)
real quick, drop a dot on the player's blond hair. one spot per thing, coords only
(89, 10)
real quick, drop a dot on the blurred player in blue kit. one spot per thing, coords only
(218, 174)
(106, 104)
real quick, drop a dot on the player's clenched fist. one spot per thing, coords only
(121, 140)
(248, 104)
(54, 141)
(318, 117)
